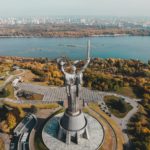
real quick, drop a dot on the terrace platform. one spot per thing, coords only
(50, 135)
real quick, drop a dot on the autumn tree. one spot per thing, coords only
(11, 120)
(2, 147)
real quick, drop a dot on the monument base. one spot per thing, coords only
(76, 141)
(73, 127)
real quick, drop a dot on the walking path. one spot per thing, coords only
(122, 122)
(114, 145)
(11, 78)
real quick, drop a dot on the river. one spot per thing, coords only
(128, 47)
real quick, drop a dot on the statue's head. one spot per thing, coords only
(74, 69)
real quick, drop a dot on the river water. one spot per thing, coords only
(128, 47)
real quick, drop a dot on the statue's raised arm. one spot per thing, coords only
(62, 67)
(87, 60)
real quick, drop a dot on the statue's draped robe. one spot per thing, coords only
(73, 84)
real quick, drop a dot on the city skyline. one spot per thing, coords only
(17, 8)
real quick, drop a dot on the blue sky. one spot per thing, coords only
(74, 7)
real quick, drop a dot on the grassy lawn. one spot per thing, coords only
(39, 145)
(37, 97)
(33, 97)
(40, 106)
(9, 92)
(1, 105)
(10, 89)
(16, 72)
(4, 94)
(1, 82)
(117, 106)
(2, 73)
(127, 91)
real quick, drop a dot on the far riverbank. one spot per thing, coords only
(70, 36)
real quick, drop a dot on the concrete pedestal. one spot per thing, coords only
(52, 134)
(73, 127)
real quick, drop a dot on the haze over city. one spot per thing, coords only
(18, 8)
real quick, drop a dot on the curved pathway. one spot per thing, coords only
(113, 134)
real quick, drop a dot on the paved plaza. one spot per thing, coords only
(55, 94)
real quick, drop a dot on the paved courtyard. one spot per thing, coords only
(59, 93)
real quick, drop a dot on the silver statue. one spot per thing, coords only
(73, 82)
